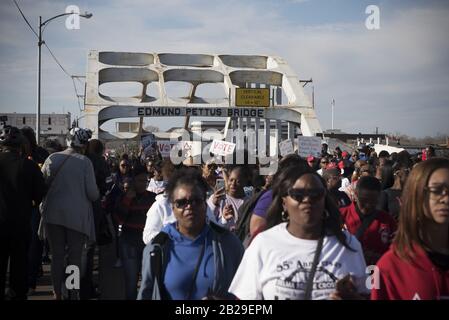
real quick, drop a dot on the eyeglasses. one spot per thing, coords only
(182, 203)
(439, 191)
(313, 194)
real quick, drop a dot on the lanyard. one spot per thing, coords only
(309, 284)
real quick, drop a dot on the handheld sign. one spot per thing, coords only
(286, 147)
(147, 140)
(186, 147)
(222, 148)
(309, 146)
(165, 147)
(149, 146)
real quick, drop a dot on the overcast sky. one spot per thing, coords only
(395, 78)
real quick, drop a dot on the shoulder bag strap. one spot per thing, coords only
(366, 222)
(157, 261)
(57, 171)
(197, 267)
(316, 259)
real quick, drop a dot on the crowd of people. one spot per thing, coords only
(223, 231)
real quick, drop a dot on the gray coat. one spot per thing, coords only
(228, 252)
(69, 200)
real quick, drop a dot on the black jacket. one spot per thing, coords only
(101, 170)
(22, 185)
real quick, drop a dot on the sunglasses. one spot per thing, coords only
(312, 194)
(182, 203)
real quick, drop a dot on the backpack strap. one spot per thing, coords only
(217, 228)
(156, 260)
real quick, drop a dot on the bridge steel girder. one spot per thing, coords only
(233, 71)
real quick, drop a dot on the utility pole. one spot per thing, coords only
(39, 59)
(333, 105)
(313, 97)
(38, 103)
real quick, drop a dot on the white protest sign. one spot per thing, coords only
(165, 147)
(286, 147)
(222, 148)
(187, 147)
(309, 146)
(334, 143)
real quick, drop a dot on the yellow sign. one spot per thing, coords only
(249, 97)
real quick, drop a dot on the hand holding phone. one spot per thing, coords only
(219, 184)
(218, 195)
(228, 212)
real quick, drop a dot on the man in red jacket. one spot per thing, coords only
(373, 228)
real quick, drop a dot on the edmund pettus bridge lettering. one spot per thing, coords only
(199, 112)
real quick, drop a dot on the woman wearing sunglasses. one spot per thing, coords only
(123, 172)
(191, 258)
(417, 265)
(305, 254)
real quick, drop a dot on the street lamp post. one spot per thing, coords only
(78, 119)
(39, 45)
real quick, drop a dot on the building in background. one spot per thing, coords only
(53, 125)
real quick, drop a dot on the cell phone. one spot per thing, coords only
(219, 184)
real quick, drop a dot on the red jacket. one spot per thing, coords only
(418, 279)
(132, 212)
(377, 237)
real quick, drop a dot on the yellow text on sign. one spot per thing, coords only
(247, 97)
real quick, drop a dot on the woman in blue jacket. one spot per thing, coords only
(192, 258)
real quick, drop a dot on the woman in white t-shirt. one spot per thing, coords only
(225, 202)
(305, 255)
(158, 181)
